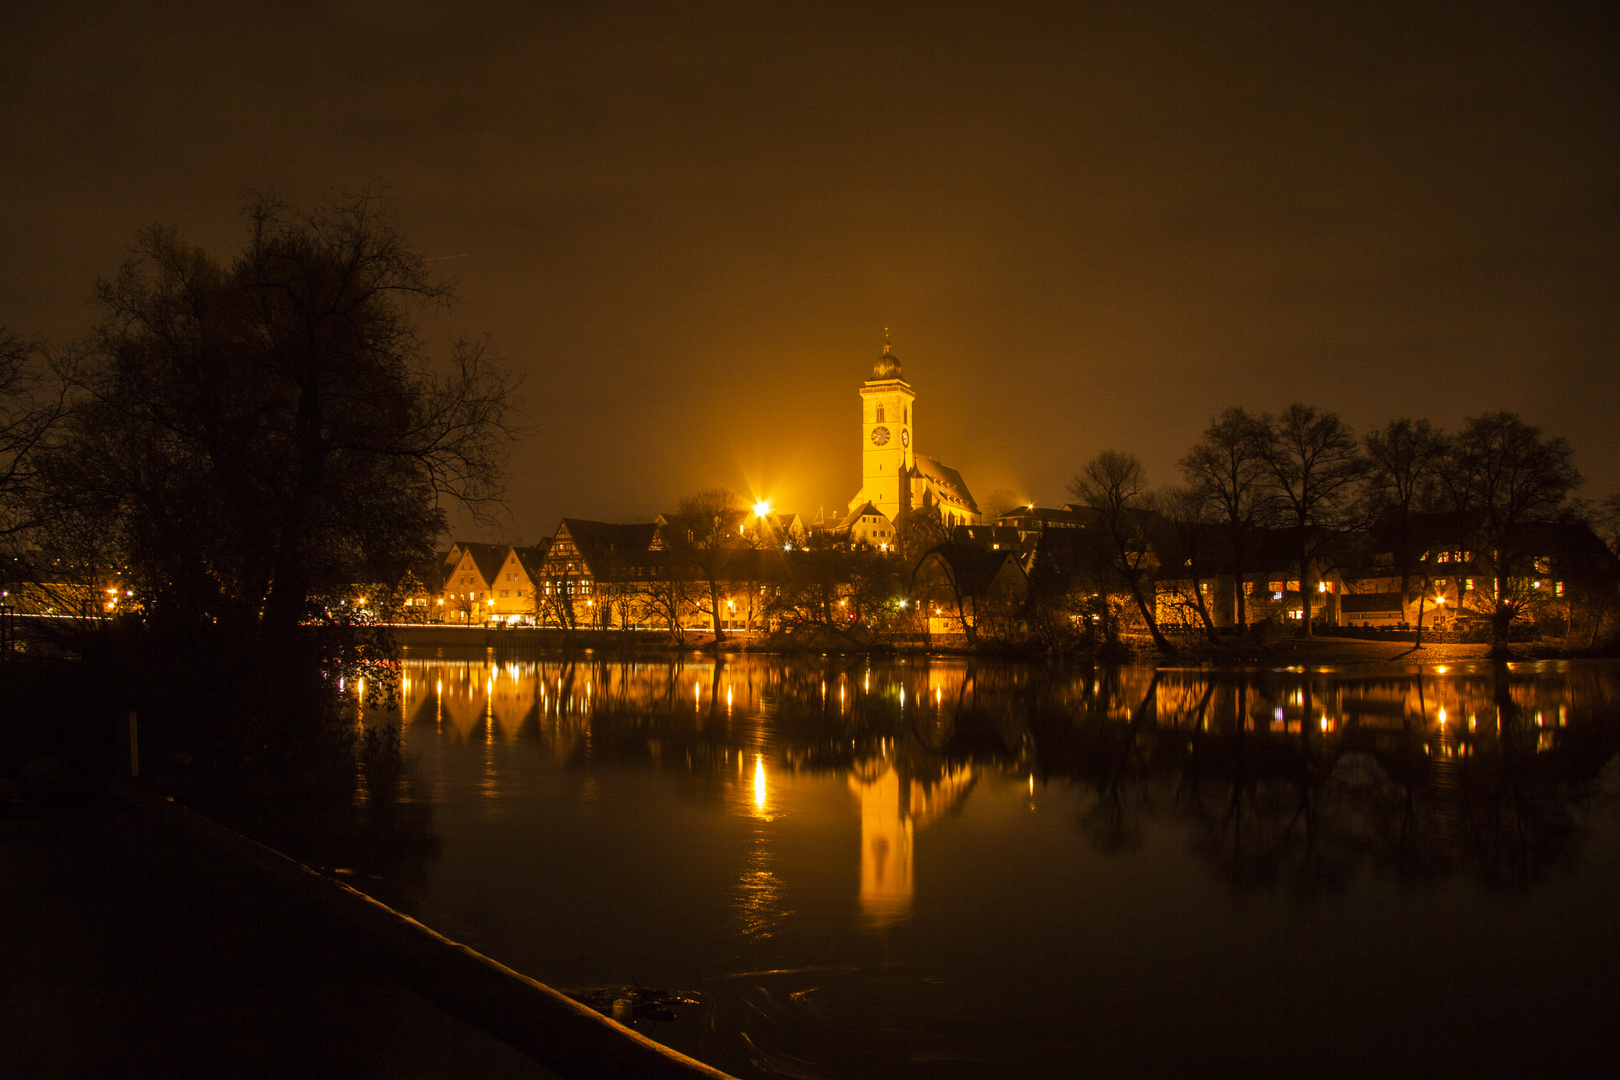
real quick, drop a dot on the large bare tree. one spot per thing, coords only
(1188, 511)
(249, 435)
(1112, 484)
(705, 533)
(1315, 466)
(1508, 473)
(1407, 462)
(1227, 467)
(31, 405)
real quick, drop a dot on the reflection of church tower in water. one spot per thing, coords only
(893, 807)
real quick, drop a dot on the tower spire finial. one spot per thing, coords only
(888, 364)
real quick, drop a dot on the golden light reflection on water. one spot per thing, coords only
(757, 906)
(759, 730)
(893, 806)
(498, 700)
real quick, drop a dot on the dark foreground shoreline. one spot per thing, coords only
(143, 940)
(131, 952)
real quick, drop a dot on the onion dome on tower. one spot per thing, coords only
(888, 364)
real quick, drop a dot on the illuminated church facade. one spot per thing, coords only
(895, 479)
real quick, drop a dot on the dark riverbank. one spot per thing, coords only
(131, 953)
(1290, 650)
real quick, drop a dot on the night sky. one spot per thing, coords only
(688, 226)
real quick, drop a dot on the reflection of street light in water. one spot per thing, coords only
(759, 783)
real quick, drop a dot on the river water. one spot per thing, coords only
(954, 868)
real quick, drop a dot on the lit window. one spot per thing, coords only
(1558, 588)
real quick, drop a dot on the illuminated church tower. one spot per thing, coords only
(895, 479)
(886, 440)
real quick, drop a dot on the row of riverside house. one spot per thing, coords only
(1440, 571)
(755, 573)
(1436, 573)
(596, 574)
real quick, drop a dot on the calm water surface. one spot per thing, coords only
(950, 868)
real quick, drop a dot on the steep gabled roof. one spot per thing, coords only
(603, 544)
(995, 537)
(532, 558)
(971, 567)
(947, 483)
(486, 557)
(1573, 545)
(784, 523)
(856, 514)
(1445, 529)
(433, 573)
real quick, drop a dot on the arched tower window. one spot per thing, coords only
(880, 414)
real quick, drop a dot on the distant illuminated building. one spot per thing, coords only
(895, 479)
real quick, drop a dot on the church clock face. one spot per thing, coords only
(880, 435)
(905, 438)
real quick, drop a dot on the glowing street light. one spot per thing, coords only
(762, 507)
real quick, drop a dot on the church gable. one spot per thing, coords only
(946, 485)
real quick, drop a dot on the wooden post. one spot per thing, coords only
(134, 748)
